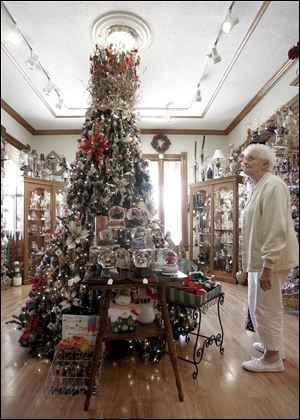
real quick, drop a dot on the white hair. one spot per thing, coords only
(262, 151)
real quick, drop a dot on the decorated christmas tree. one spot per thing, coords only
(108, 175)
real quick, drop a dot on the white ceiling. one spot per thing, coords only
(182, 34)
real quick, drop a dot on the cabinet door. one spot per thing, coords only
(60, 204)
(223, 204)
(38, 225)
(201, 228)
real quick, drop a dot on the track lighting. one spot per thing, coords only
(216, 58)
(60, 103)
(32, 61)
(198, 97)
(49, 88)
(229, 23)
(14, 36)
(226, 27)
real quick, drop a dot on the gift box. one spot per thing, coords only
(189, 298)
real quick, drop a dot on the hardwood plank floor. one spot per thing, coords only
(132, 389)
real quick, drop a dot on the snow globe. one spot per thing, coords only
(123, 258)
(116, 217)
(107, 259)
(142, 260)
(139, 237)
(159, 259)
(170, 266)
(106, 236)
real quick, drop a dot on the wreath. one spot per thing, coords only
(294, 52)
(160, 143)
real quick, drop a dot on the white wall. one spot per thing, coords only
(63, 145)
(15, 129)
(186, 143)
(277, 97)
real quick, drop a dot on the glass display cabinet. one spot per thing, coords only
(44, 203)
(215, 226)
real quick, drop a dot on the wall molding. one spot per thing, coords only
(259, 96)
(183, 131)
(12, 140)
(17, 117)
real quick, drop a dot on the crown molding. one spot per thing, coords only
(17, 117)
(183, 131)
(56, 132)
(259, 96)
(12, 140)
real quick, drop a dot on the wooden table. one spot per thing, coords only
(158, 282)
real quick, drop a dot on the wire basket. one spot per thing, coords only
(69, 373)
(291, 300)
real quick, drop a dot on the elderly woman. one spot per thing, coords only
(269, 251)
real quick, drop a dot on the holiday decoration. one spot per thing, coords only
(293, 52)
(161, 143)
(109, 180)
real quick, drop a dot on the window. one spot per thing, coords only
(169, 178)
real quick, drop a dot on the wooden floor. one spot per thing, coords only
(132, 389)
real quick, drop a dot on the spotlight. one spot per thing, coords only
(32, 61)
(14, 36)
(60, 103)
(229, 23)
(216, 58)
(198, 97)
(48, 89)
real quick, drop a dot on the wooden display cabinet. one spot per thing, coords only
(215, 226)
(44, 202)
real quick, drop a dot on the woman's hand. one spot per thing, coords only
(265, 279)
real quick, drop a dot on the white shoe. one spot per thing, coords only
(257, 365)
(260, 347)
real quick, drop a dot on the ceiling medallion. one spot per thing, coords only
(122, 27)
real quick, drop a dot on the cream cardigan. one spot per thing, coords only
(268, 236)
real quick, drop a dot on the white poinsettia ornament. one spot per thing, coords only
(77, 234)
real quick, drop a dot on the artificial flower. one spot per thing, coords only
(76, 235)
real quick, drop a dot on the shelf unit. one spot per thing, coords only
(215, 227)
(44, 202)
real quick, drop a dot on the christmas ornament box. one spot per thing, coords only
(174, 294)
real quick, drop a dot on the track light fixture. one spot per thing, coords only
(198, 97)
(15, 36)
(32, 61)
(60, 103)
(49, 88)
(230, 21)
(215, 56)
(229, 24)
